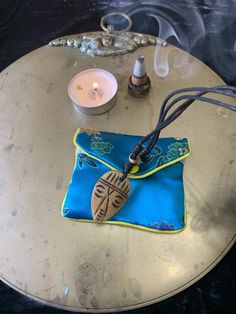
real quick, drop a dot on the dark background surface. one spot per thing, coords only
(204, 28)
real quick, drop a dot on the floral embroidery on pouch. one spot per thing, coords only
(177, 149)
(84, 159)
(157, 151)
(162, 225)
(101, 148)
(97, 143)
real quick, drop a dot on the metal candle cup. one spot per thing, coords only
(93, 91)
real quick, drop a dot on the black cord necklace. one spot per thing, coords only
(118, 182)
(139, 153)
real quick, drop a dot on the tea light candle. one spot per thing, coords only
(93, 91)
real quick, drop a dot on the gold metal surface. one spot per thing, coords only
(90, 267)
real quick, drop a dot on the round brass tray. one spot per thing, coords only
(88, 267)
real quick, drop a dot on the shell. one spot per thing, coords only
(63, 42)
(144, 41)
(70, 42)
(107, 40)
(152, 40)
(109, 195)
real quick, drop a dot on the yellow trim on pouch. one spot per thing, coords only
(126, 224)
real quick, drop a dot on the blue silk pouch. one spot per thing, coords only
(156, 201)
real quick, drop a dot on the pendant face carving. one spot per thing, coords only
(109, 195)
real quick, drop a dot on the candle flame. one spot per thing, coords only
(95, 86)
(97, 92)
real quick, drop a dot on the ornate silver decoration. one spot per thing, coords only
(107, 43)
(110, 42)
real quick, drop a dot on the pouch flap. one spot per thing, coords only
(113, 149)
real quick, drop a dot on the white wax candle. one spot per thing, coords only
(92, 88)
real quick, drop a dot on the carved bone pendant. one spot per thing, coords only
(109, 195)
